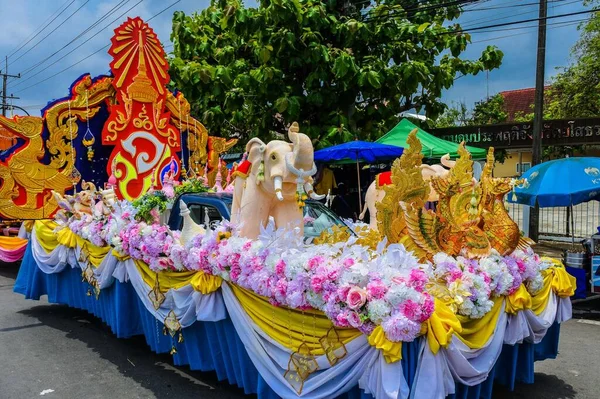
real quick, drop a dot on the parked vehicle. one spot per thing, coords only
(213, 207)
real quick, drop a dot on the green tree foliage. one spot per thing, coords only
(489, 112)
(457, 114)
(342, 69)
(575, 91)
(485, 112)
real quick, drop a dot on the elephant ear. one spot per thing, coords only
(255, 149)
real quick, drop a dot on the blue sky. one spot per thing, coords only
(22, 18)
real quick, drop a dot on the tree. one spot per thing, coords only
(489, 112)
(575, 91)
(456, 114)
(342, 69)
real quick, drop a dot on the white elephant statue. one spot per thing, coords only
(375, 192)
(268, 182)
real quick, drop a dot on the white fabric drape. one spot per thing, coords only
(23, 232)
(188, 304)
(437, 374)
(363, 364)
(55, 261)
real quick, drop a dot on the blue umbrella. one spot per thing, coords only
(562, 182)
(358, 151)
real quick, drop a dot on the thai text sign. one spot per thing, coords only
(520, 135)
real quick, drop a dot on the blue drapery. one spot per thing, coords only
(216, 346)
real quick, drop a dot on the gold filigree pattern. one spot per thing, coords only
(470, 217)
(26, 181)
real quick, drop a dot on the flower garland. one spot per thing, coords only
(355, 285)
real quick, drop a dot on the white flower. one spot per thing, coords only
(399, 293)
(315, 300)
(378, 310)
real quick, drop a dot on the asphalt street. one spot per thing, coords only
(53, 351)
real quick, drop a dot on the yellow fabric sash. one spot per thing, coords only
(557, 281)
(518, 300)
(477, 332)
(120, 257)
(440, 327)
(392, 351)
(201, 282)
(12, 243)
(287, 326)
(44, 231)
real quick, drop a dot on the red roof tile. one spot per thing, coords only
(519, 101)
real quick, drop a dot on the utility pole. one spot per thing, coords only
(5, 76)
(538, 120)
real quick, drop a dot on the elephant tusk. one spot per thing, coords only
(311, 193)
(278, 185)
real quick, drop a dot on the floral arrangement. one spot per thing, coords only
(150, 206)
(354, 285)
(469, 285)
(194, 185)
(355, 282)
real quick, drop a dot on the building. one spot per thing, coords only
(577, 136)
(516, 103)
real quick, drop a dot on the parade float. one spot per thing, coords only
(431, 304)
(128, 122)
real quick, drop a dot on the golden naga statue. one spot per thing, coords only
(470, 217)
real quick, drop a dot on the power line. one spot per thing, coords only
(163, 10)
(465, 25)
(81, 44)
(53, 30)
(94, 53)
(44, 27)
(517, 22)
(554, 26)
(104, 17)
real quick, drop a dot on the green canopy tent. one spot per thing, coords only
(433, 147)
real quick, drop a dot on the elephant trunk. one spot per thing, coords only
(311, 192)
(278, 185)
(303, 149)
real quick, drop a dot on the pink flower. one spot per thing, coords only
(348, 262)
(280, 268)
(376, 289)
(354, 319)
(155, 215)
(410, 309)
(417, 279)
(342, 293)
(356, 298)
(427, 308)
(342, 319)
(316, 282)
(315, 262)
(454, 275)
(398, 328)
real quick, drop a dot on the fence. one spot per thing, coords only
(555, 223)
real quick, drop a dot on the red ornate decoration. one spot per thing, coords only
(139, 126)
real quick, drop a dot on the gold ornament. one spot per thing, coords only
(172, 327)
(333, 346)
(156, 296)
(300, 366)
(88, 141)
(470, 216)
